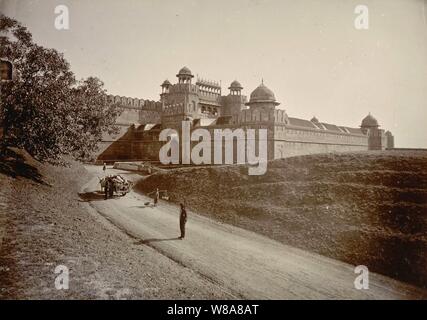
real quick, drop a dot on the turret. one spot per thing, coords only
(235, 88)
(376, 137)
(369, 122)
(184, 75)
(390, 140)
(234, 102)
(262, 98)
(165, 86)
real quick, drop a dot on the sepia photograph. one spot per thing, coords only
(224, 152)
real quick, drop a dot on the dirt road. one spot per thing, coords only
(244, 263)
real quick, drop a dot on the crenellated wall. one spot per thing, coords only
(151, 112)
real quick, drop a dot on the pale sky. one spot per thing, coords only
(307, 51)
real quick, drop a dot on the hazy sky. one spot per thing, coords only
(307, 51)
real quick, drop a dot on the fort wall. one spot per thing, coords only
(205, 107)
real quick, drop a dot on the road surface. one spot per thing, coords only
(245, 264)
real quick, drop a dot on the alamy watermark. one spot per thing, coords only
(362, 280)
(361, 22)
(62, 20)
(251, 147)
(63, 278)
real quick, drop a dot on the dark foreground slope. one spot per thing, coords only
(363, 208)
(44, 223)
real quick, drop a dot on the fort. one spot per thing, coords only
(203, 105)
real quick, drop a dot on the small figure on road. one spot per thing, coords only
(104, 168)
(156, 197)
(182, 220)
(106, 188)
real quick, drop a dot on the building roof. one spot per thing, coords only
(301, 123)
(322, 126)
(166, 83)
(262, 94)
(369, 121)
(235, 85)
(331, 127)
(354, 130)
(185, 72)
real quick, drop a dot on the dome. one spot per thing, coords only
(185, 72)
(262, 94)
(369, 121)
(235, 85)
(314, 119)
(166, 83)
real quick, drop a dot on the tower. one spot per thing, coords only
(235, 88)
(376, 136)
(390, 140)
(234, 102)
(184, 75)
(262, 99)
(180, 100)
(262, 115)
(165, 89)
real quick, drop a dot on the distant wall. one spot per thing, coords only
(282, 141)
(293, 141)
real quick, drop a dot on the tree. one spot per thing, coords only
(91, 116)
(44, 109)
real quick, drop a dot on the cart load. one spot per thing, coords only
(115, 184)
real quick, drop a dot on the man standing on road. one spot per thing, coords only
(104, 168)
(182, 220)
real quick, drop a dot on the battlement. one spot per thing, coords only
(152, 105)
(126, 101)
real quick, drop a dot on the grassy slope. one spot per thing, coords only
(44, 223)
(362, 208)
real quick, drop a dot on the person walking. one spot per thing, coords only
(156, 197)
(104, 168)
(182, 220)
(106, 188)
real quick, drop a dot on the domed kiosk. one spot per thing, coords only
(369, 122)
(184, 75)
(235, 88)
(165, 86)
(262, 97)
